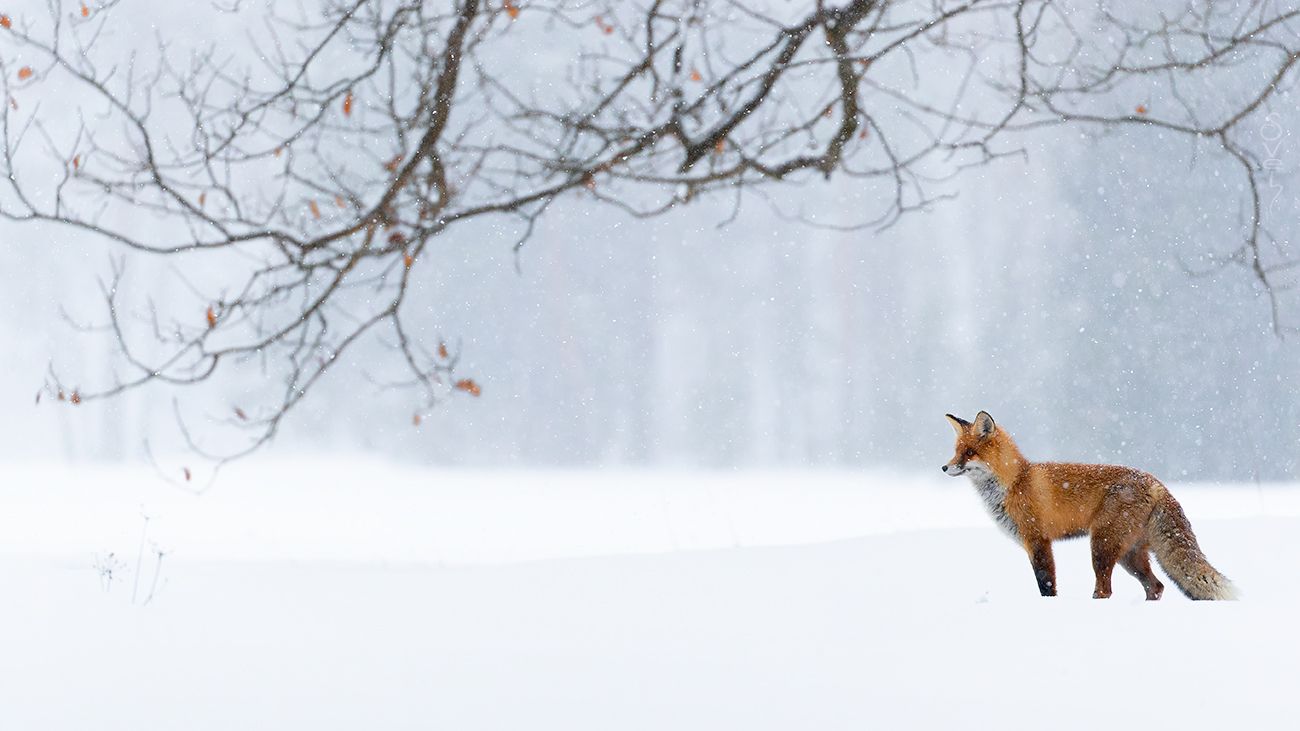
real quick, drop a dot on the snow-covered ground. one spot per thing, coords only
(346, 595)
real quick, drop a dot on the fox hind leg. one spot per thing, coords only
(1110, 543)
(1117, 528)
(1138, 563)
(1106, 551)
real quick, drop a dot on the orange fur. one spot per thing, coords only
(1126, 512)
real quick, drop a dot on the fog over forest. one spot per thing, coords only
(1070, 291)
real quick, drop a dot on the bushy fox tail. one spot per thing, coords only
(1176, 549)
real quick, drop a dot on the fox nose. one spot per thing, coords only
(944, 468)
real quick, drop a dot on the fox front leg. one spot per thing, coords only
(1040, 556)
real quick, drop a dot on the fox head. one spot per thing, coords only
(975, 444)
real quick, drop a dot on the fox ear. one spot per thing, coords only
(958, 425)
(984, 426)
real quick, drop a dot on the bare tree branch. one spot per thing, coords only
(317, 182)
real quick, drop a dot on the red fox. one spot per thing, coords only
(1127, 512)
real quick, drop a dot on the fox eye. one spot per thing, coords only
(969, 453)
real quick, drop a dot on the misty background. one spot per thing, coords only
(1070, 291)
